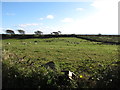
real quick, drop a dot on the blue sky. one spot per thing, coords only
(67, 17)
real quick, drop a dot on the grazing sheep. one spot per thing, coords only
(77, 43)
(8, 43)
(22, 59)
(24, 43)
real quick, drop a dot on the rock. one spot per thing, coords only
(35, 41)
(50, 64)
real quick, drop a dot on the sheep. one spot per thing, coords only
(8, 43)
(35, 43)
(77, 43)
(24, 43)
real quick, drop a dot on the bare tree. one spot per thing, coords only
(9, 32)
(21, 31)
(59, 32)
(38, 32)
(56, 33)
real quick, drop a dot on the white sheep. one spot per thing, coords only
(8, 43)
(24, 43)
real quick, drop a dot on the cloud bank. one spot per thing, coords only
(104, 21)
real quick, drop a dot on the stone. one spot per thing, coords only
(50, 64)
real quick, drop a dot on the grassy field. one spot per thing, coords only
(24, 60)
(104, 38)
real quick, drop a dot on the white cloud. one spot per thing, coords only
(50, 17)
(104, 21)
(41, 18)
(79, 9)
(67, 20)
(25, 25)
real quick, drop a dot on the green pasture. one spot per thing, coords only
(80, 56)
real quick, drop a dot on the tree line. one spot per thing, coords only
(11, 32)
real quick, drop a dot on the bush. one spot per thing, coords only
(111, 78)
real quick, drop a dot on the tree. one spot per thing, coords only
(99, 34)
(21, 31)
(55, 33)
(38, 32)
(9, 31)
(59, 32)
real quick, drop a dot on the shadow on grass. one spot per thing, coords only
(12, 78)
(111, 78)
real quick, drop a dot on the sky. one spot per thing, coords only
(84, 17)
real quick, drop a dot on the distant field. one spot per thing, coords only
(103, 38)
(25, 58)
